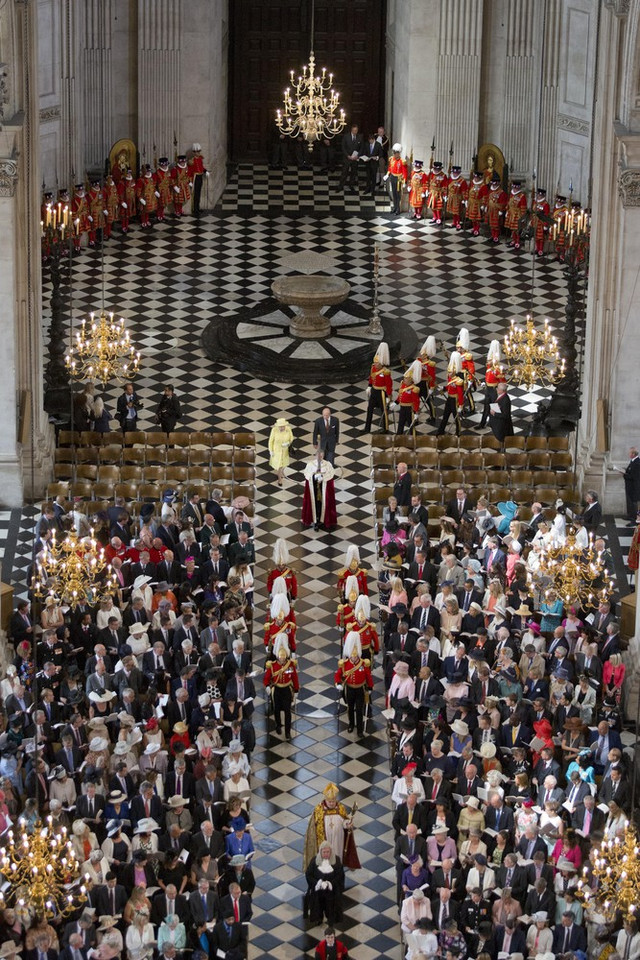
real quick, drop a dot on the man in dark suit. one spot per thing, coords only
(568, 936)
(237, 903)
(450, 877)
(112, 897)
(632, 485)
(242, 550)
(179, 777)
(611, 642)
(203, 903)
(372, 152)
(511, 938)
(207, 840)
(127, 409)
(601, 741)
(444, 908)
(530, 844)
(169, 901)
(426, 615)
(146, 804)
(457, 507)
(216, 566)
(144, 567)
(351, 151)
(135, 613)
(406, 847)
(436, 789)
(500, 420)
(615, 788)
(42, 950)
(168, 570)
(90, 804)
(587, 818)
(474, 910)
(423, 571)
(592, 513)
(236, 660)
(418, 814)
(228, 939)
(541, 898)
(498, 816)
(237, 526)
(402, 485)
(468, 595)
(168, 411)
(513, 876)
(20, 623)
(326, 433)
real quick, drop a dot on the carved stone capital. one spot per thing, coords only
(619, 7)
(629, 187)
(8, 177)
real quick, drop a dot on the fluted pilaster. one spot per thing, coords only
(96, 86)
(459, 63)
(71, 150)
(159, 37)
(520, 85)
(549, 103)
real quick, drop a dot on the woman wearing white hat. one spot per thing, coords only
(380, 388)
(408, 400)
(280, 441)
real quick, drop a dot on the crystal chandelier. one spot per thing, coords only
(533, 355)
(103, 351)
(616, 877)
(68, 570)
(310, 109)
(41, 871)
(575, 572)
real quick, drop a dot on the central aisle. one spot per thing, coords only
(288, 778)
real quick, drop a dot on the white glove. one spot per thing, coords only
(190, 184)
(338, 686)
(176, 189)
(386, 177)
(106, 213)
(368, 391)
(90, 219)
(124, 205)
(143, 202)
(206, 173)
(157, 194)
(320, 885)
(267, 689)
(424, 196)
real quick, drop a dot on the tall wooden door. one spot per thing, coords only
(269, 38)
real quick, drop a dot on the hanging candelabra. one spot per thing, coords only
(533, 356)
(615, 878)
(577, 574)
(103, 351)
(74, 571)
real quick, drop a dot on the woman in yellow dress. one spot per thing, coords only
(280, 439)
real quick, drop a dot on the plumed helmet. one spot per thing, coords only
(463, 339)
(493, 354)
(382, 353)
(363, 606)
(280, 554)
(429, 347)
(455, 363)
(352, 644)
(279, 604)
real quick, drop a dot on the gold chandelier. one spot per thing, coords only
(103, 351)
(616, 877)
(42, 871)
(311, 109)
(68, 570)
(533, 355)
(574, 572)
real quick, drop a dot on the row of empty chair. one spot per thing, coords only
(531, 461)
(148, 448)
(176, 472)
(99, 495)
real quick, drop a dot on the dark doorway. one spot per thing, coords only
(269, 38)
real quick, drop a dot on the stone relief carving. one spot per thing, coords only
(8, 177)
(574, 125)
(47, 114)
(629, 188)
(619, 7)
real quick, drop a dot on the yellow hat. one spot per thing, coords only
(330, 792)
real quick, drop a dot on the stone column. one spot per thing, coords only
(521, 86)
(458, 73)
(96, 85)
(71, 166)
(10, 460)
(549, 97)
(159, 80)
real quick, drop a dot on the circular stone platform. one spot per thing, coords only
(258, 340)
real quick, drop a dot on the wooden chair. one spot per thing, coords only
(155, 438)
(199, 475)
(427, 458)
(489, 442)
(431, 493)
(429, 442)
(244, 455)
(243, 440)
(91, 438)
(475, 478)
(200, 439)
(560, 460)
(382, 493)
(68, 438)
(522, 494)
(515, 443)
(221, 473)
(199, 456)
(150, 491)
(493, 459)
(539, 460)
(244, 474)
(175, 475)
(447, 442)
(223, 455)
(452, 478)
(111, 453)
(57, 490)
(450, 461)
(82, 488)
(63, 471)
(521, 478)
(564, 478)
(86, 471)
(179, 438)
(131, 474)
(382, 441)
(496, 492)
(134, 456)
(201, 489)
(515, 461)
(536, 443)
(154, 474)
(558, 444)
(244, 490)
(135, 438)
(383, 475)
(86, 455)
(127, 490)
(108, 473)
(546, 495)
(64, 455)
(223, 439)
(178, 456)
(383, 458)
(469, 441)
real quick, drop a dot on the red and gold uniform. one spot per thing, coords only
(163, 186)
(417, 189)
(282, 676)
(454, 392)
(455, 388)
(457, 192)
(516, 209)
(111, 204)
(397, 176)
(95, 201)
(273, 627)
(369, 639)
(540, 229)
(438, 183)
(428, 372)
(496, 205)
(494, 374)
(409, 403)
(147, 197)
(560, 216)
(380, 390)
(181, 185)
(289, 578)
(346, 613)
(127, 197)
(355, 676)
(79, 214)
(477, 202)
(361, 576)
(197, 171)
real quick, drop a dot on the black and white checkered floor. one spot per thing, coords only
(167, 283)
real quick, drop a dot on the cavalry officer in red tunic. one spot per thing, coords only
(282, 568)
(380, 387)
(352, 568)
(364, 627)
(409, 397)
(417, 187)
(347, 610)
(560, 217)
(516, 209)
(127, 195)
(454, 392)
(197, 171)
(540, 228)
(79, 214)
(281, 681)
(163, 186)
(396, 175)
(279, 621)
(493, 375)
(353, 676)
(438, 183)
(468, 367)
(147, 196)
(428, 378)
(477, 201)
(111, 205)
(181, 185)
(496, 205)
(457, 192)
